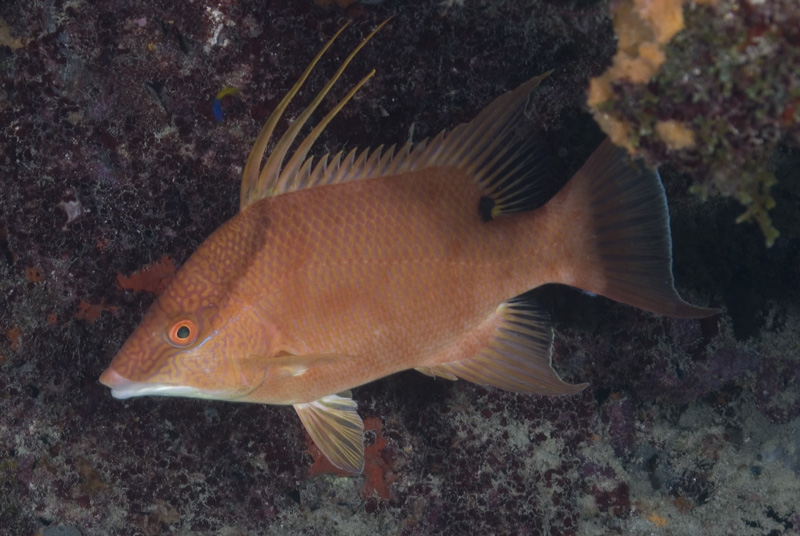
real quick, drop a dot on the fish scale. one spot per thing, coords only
(346, 269)
(425, 255)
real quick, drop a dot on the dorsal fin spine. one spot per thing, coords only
(372, 162)
(305, 173)
(272, 168)
(430, 148)
(401, 163)
(387, 157)
(480, 166)
(255, 184)
(336, 163)
(301, 152)
(345, 164)
(510, 167)
(321, 165)
(361, 159)
(473, 132)
(251, 175)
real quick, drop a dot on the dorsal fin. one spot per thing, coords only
(508, 167)
(258, 182)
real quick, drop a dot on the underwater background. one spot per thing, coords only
(124, 128)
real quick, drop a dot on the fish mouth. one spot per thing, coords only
(122, 388)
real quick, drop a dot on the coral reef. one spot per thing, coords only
(114, 169)
(712, 87)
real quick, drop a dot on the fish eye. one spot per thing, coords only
(183, 332)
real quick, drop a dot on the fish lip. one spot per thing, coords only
(156, 389)
(111, 378)
(123, 388)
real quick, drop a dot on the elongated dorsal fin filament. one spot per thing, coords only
(289, 171)
(258, 182)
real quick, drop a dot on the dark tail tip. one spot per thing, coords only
(630, 234)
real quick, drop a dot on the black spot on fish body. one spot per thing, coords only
(485, 207)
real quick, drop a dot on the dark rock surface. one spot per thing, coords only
(111, 163)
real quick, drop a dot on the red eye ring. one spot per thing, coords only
(183, 332)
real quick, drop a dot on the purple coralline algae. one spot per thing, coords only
(114, 169)
(711, 86)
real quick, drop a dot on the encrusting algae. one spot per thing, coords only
(343, 270)
(711, 86)
(643, 29)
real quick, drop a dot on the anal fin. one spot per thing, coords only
(335, 427)
(518, 358)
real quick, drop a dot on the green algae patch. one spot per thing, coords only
(724, 97)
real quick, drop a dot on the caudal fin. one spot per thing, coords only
(626, 250)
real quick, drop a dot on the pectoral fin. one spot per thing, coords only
(297, 365)
(338, 431)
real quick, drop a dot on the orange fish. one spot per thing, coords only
(343, 270)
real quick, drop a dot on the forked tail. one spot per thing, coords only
(620, 212)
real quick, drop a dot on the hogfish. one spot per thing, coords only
(341, 270)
